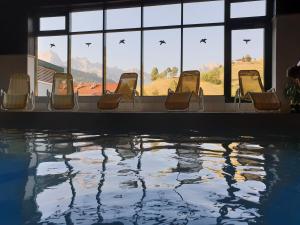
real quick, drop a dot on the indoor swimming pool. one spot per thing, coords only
(70, 177)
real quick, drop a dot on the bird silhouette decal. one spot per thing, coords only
(52, 45)
(162, 42)
(203, 40)
(88, 44)
(246, 41)
(122, 41)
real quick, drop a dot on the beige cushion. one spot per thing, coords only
(63, 101)
(14, 101)
(265, 101)
(110, 101)
(178, 101)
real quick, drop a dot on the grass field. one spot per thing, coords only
(160, 86)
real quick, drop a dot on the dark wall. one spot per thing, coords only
(287, 6)
(14, 30)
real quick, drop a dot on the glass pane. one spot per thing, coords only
(247, 54)
(52, 58)
(248, 9)
(162, 15)
(203, 49)
(86, 21)
(123, 18)
(52, 23)
(86, 63)
(203, 12)
(123, 55)
(161, 61)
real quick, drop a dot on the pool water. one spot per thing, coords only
(49, 177)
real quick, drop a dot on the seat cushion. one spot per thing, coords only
(61, 102)
(265, 101)
(14, 101)
(109, 101)
(178, 101)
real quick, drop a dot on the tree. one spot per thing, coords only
(154, 74)
(174, 71)
(247, 58)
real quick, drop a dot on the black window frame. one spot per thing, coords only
(229, 25)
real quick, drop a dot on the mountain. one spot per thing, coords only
(52, 57)
(84, 70)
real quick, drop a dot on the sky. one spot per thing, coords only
(127, 56)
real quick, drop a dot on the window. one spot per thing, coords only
(248, 9)
(203, 50)
(87, 21)
(123, 18)
(161, 61)
(123, 55)
(52, 58)
(203, 12)
(86, 64)
(190, 35)
(52, 23)
(163, 15)
(247, 54)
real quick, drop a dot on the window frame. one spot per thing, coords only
(229, 25)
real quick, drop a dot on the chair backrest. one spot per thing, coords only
(189, 81)
(250, 81)
(19, 84)
(127, 83)
(62, 84)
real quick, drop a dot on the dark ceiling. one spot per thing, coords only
(282, 6)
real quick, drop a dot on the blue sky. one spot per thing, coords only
(167, 55)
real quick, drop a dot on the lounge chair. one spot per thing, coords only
(18, 96)
(188, 87)
(125, 92)
(62, 96)
(252, 90)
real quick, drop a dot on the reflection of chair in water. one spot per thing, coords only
(188, 87)
(125, 92)
(251, 90)
(63, 96)
(188, 160)
(18, 95)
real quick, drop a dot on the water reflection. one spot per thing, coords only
(82, 178)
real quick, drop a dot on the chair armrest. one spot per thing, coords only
(107, 92)
(271, 90)
(2, 92)
(134, 92)
(201, 92)
(170, 91)
(49, 94)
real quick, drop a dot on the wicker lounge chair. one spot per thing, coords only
(18, 96)
(125, 92)
(63, 96)
(252, 90)
(188, 87)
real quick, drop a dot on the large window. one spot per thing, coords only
(248, 9)
(203, 12)
(203, 50)
(247, 54)
(157, 42)
(52, 58)
(52, 23)
(123, 55)
(87, 21)
(161, 61)
(123, 18)
(86, 63)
